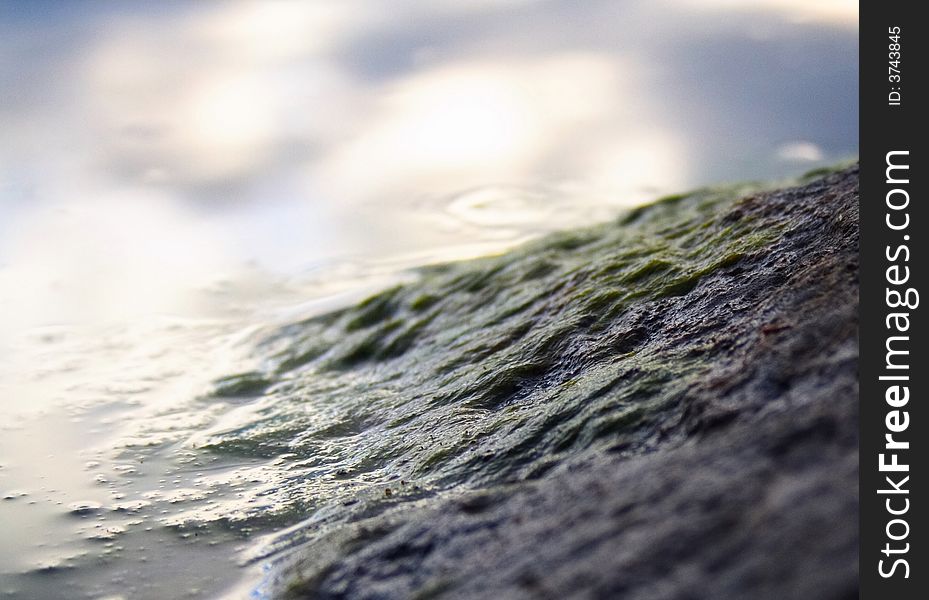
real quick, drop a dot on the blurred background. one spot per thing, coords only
(172, 157)
(176, 176)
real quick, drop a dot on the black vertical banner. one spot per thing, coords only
(894, 263)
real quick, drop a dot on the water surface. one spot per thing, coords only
(180, 180)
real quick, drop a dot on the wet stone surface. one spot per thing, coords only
(660, 407)
(664, 406)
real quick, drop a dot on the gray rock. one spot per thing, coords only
(661, 408)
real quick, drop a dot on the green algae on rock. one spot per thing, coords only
(617, 410)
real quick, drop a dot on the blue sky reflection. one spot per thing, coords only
(150, 151)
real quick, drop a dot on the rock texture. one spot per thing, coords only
(665, 407)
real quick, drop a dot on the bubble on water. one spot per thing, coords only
(84, 508)
(132, 506)
(101, 533)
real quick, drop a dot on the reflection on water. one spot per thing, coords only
(177, 177)
(199, 138)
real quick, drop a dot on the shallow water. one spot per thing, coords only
(152, 244)
(104, 489)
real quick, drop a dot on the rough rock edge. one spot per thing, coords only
(758, 498)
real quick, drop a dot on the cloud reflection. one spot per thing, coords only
(829, 11)
(161, 148)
